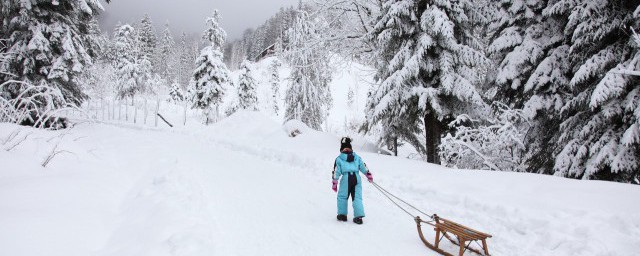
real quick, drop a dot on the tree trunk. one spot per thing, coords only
(432, 134)
(395, 146)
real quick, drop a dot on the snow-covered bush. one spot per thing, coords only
(295, 127)
(156, 85)
(38, 106)
(496, 143)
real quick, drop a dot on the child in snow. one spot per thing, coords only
(347, 165)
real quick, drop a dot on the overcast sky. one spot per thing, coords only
(189, 15)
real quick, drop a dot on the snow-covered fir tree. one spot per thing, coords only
(51, 44)
(308, 97)
(133, 70)
(247, 94)
(167, 65)
(147, 39)
(238, 54)
(175, 92)
(599, 138)
(350, 97)
(533, 72)
(258, 39)
(425, 70)
(211, 76)
(274, 81)
(562, 62)
(185, 59)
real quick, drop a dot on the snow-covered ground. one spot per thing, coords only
(243, 187)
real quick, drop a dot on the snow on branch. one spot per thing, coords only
(495, 143)
(636, 37)
(54, 152)
(626, 72)
(37, 105)
(12, 140)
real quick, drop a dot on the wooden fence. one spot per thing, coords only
(142, 112)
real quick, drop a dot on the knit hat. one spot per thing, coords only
(345, 143)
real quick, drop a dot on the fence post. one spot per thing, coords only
(156, 114)
(145, 111)
(126, 111)
(119, 111)
(113, 109)
(135, 113)
(102, 108)
(88, 109)
(109, 110)
(185, 113)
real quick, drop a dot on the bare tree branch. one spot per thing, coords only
(18, 142)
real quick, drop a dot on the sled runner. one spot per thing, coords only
(464, 236)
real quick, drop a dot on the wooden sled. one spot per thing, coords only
(464, 236)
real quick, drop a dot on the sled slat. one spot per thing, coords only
(462, 236)
(461, 231)
(466, 228)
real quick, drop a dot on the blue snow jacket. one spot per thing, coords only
(346, 168)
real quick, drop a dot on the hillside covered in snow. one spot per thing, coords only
(244, 187)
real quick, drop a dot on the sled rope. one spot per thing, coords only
(388, 195)
(464, 236)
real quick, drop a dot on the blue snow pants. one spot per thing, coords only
(350, 183)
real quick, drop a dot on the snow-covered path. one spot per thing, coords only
(243, 187)
(240, 200)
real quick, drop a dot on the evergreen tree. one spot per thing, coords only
(211, 76)
(185, 60)
(425, 69)
(350, 97)
(247, 94)
(533, 72)
(51, 45)
(274, 80)
(308, 97)
(272, 32)
(258, 45)
(599, 137)
(147, 38)
(167, 64)
(132, 68)
(175, 93)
